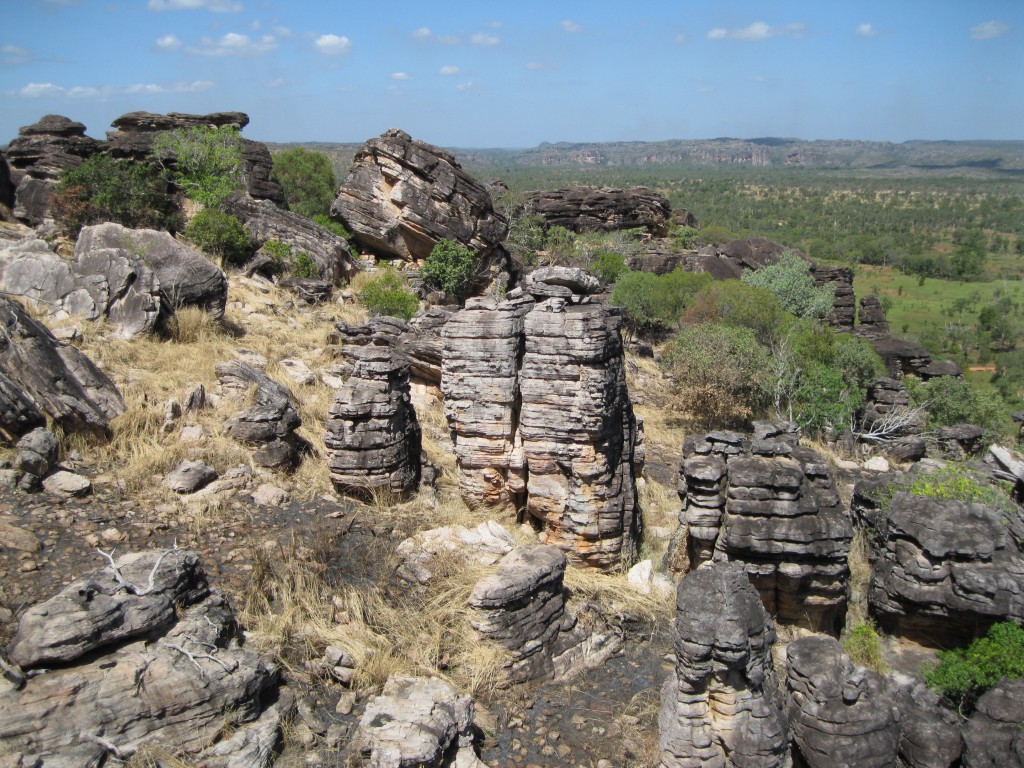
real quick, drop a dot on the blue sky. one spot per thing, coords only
(507, 74)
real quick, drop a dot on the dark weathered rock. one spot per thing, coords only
(239, 377)
(38, 452)
(721, 705)
(901, 356)
(960, 441)
(32, 200)
(190, 476)
(18, 412)
(754, 252)
(308, 290)
(943, 569)
(844, 308)
(840, 714)
(60, 380)
(585, 209)
(265, 221)
(373, 438)
(6, 185)
(47, 147)
(929, 732)
(561, 282)
(772, 505)
(185, 277)
(402, 196)
(417, 343)
(872, 320)
(994, 735)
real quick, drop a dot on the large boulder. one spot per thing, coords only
(844, 308)
(402, 196)
(185, 276)
(59, 380)
(585, 209)
(721, 705)
(994, 736)
(32, 200)
(6, 184)
(265, 221)
(51, 145)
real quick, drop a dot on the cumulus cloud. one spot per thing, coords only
(866, 30)
(449, 70)
(333, 45)
(481, 38)
(570, 26)
(758, 31)
(234, 44)
(422, 33)
(37, 90)
(468, 86)
(989, 29)
(168, 43)
(216, 6)
(400, 76)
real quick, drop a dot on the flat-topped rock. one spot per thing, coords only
(585, 209)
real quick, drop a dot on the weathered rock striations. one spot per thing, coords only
(844, 307)
(59, 380)
(265, 221)
(929, 732)
(772, 505)
(840, 714)
(418, 343)
(6, 185)
(872, 320)
(721, 706)
(373, 437)
(402, 196)
(994, 735)
(585, 209)
(49, 146)
(943, 568)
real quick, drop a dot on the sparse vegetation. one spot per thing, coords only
(964, 674)
(450, 267)
(865, 647)
(220, 235)
(204, 162)
(387, 294)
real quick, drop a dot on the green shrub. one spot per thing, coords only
(675, 291)
(307, 179)
(963, 674)
(686, 238)
(221, 235)
(865, 647)
(450, 267)
(204, 162)
(608, 267)
(306, 267)
(634, 292)
(331, 225)
(651, 301)
(107, 189)
(790, 281)
(387, 294)
(526, 238)
(953, 401)
(716, 235)
(956, 481)
(737, 304)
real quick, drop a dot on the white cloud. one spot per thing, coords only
(12, 54)
(989, 29)
(425, 34)
(400, 76)
(333, 45)
(570, 26)
(494, 24)
(758, 31)
(234, 44)
(866, 30)
(539, 66)
(679, 39)
(277, 82)
(468, 86)
(168, 43)
(36, 90)
(284, 32)
(215, 6)
(449, 70)
(422, 33)
(481, 38)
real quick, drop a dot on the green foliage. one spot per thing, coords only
(716, 235)
(299, 264)
(953, 401)
(955, 481)
(735, 303)
(219, 234)
(204, 162)
(652, 301)
(333, 226)
(865, 647)
(721, 372)
(450, 267)
(107, 189)
(307, 179)
(388, 294)
(790, 281)
(608, 267)
(963, 674)
(686, 238)
(526, 238)
(306, 267)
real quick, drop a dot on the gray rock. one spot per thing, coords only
(38, 452)
(993, 736)
(32, 200)
(929, 732)
(559, 281)
(6, 185)
(19, 414)
(67, 484)
(190, 476)
(585, 209)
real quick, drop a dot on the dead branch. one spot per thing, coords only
(131, 588)
(229, 668)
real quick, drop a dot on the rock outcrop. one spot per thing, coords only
(929, 732)
(373, 437)
(767, 502)
(586, 209)
(536, 399)
(994, 735)
(844, 307)
(721, 705)
(402, 196)
(840, 714)
(185, 277)
(145, 654)
(47, 147)
(38, 374)
(264, 221)
(418, 343)
(6, 184)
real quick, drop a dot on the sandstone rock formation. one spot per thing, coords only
(585, 209)
(372, 435)
(417, 343)
(771, 504)
(840, 714)
(942, 568)
(185, 277)
(402, 196)
(265, 221)
(47, 147)
(6, 184)
(521, 606)
(147, 655)
(721, 706)
(844, 308)
(486, 544)
(38, 374)
(993, 736)
(872, 320)
(929, 732)
(536, 400)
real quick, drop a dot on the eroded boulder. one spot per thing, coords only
(586, 209)
(994, 735)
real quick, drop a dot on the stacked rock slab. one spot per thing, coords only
(586, 209)
(765, 501)
(944, 568)
(721, 705)
(840, 714)
(536, 399)
(373, 437)
(994, 736)
(844, 307)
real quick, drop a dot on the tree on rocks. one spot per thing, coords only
(203, 161)
(450, 267)
(307, 179)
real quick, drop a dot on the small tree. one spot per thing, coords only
(608, 267)
(307, 179)
(790, 281)
(450, 267)
(963, 674)
(387, 294)
(219, 234)
(204, 162)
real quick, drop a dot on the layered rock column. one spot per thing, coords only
(721, 705)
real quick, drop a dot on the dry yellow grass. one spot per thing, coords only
(615, 595)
